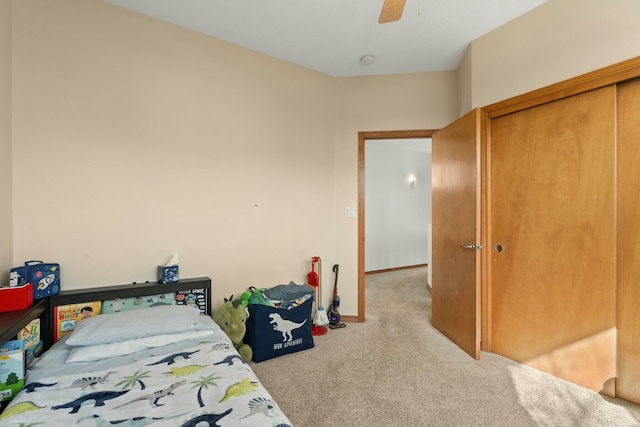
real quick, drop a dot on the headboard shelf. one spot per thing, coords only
(126, 291)
(103, 293)
(12, 322)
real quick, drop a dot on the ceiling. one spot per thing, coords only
(331, 36)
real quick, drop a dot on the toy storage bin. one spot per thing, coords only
(14, 298)
(273, 332)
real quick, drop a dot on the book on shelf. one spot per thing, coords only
(31, 354)
(30, 334)
(131, 303)
(11, 369)
(65, 317)
(198, 298)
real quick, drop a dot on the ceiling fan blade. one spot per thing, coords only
(391, 11)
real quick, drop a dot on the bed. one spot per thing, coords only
(164, 365)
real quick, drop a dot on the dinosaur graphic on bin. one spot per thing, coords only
(284, 326)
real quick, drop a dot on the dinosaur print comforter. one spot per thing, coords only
(206, 384)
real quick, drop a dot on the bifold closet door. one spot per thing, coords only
(628, 296)
(553, 238)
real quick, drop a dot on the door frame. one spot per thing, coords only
(612, 74)
(362, 138)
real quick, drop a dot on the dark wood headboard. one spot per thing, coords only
(112, 292)
(12, 322)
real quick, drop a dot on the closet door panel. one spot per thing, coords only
(553, 238)
(628, 292)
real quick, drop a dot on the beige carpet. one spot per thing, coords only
(395, 369)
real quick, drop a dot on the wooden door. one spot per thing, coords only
(628, 292)
(553, 220)
(455, 171)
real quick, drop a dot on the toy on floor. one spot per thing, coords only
(256, 296)
(320, 319)
(244, 298)
(334, 313)
(231, 317)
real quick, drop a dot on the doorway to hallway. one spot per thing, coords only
(378, 259)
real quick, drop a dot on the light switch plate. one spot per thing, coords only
(349, 212)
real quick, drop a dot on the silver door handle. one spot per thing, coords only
(469, 246)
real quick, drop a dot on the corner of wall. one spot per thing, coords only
(465, 89)
(6, 168)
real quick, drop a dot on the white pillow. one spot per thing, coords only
(139, 323)
(92, 353)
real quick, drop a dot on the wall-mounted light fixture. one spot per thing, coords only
(367, 59)
(412, 180)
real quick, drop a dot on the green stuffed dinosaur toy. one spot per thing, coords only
(231, 317)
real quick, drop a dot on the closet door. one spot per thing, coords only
(553, 238)
(628, 296)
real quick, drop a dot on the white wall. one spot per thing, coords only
(134, 138)
(397, 212)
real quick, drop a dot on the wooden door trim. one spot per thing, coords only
(362, 137)
(596, 79)
(485, 253)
